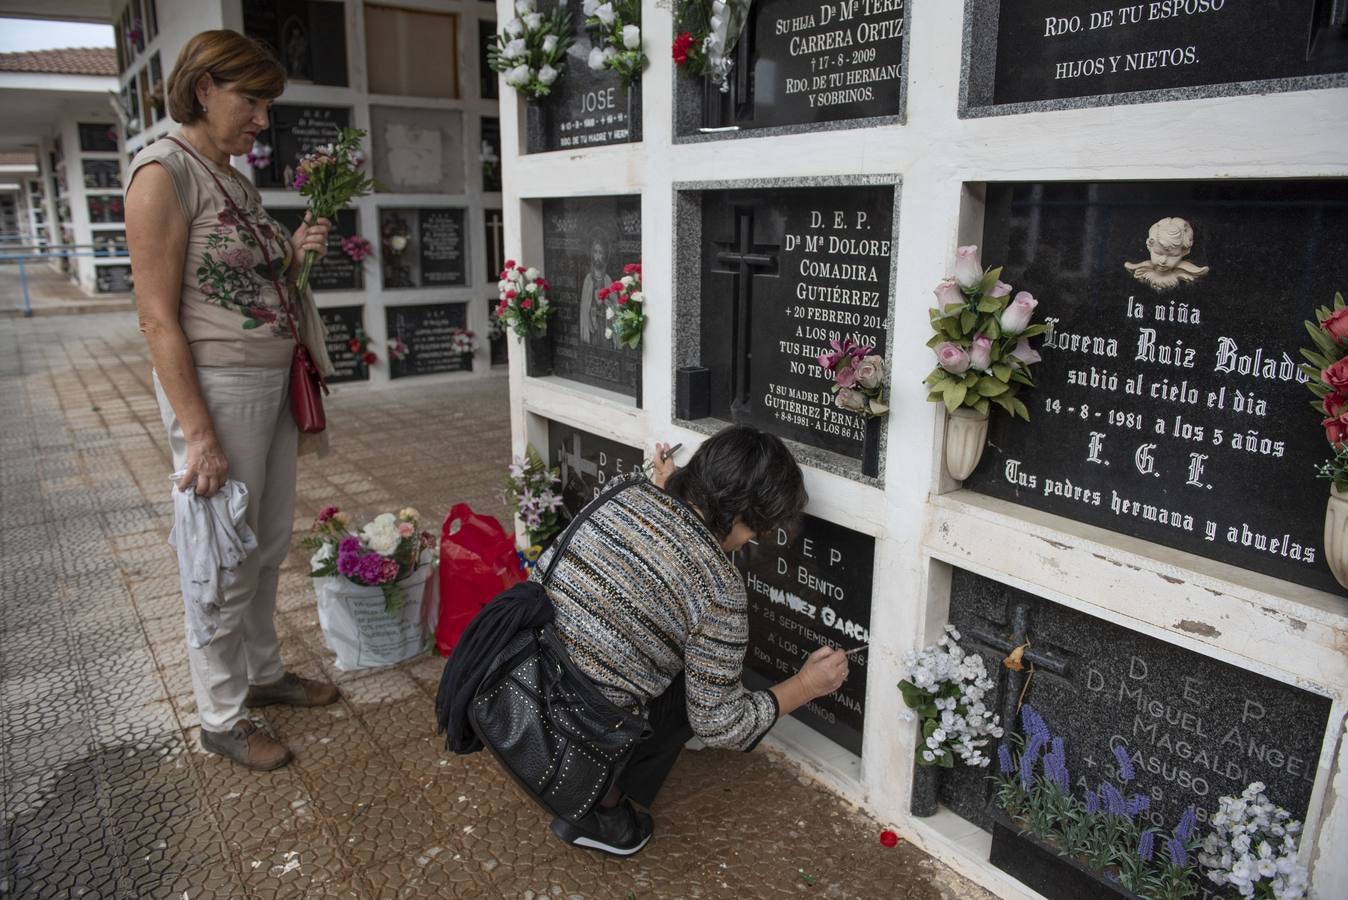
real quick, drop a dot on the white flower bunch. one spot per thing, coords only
(381, 535)
(1253, 847)
(945, 687)
(727, 21)
(530, 50)
(617, 41)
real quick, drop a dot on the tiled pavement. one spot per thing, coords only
(105, 792)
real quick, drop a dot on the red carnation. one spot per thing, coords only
(500, 309)
(526, 303)
(603, 293)
(622, 299)
(511, 295)
(369, 358)
(1336, 375)
(682, 44)
(1335, 405)
(510, 264)
(354, 345)
(889, 838)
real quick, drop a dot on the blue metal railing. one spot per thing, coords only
(55, 251)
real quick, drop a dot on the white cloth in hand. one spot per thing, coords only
(211, 539)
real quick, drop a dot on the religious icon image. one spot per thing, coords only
(1169, 240)
(591, 306)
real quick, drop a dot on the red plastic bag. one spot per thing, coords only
(477, 562)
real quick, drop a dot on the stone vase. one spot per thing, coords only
(466, 361)
(870, 447)
(926, 790)
(538, 356)
(1336, 534)
(966, 434)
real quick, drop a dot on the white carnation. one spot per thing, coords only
(605, 13)
(547, 75)
(382, 535)
(596, 59)
(631, 36)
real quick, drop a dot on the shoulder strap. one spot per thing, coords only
(580, 520)
(243, 220)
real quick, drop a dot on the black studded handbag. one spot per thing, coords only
(562, 740)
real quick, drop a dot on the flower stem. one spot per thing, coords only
(303, 280)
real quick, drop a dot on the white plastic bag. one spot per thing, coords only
(357, 628)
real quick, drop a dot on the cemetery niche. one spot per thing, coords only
(586, 463)
(491, 155)
(808, 590)
(497, 336)
(97, 137)
(113, 279)
(1194, 728)
(336, 271)
(417, 151)
(1169, 406)
(805, 65)
(428, 331)
(783, 271)
(308, 36)
(421, 248)
(344, 323)
(586, 243)
(294, 131)
(1052, 52)
(585, 108)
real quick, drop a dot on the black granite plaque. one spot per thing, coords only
(585, 108)
(491, 155)
(335, 271)
(586, 243)
(98, 137)
(102, 173)
(294, 131)
(443, 261)
(113, 279)
(806, 591)
(784, 272)
(500, 349)
(1055, 49)
(823, 61)
(494, 243)
(422, 247)
(427, 330)
(108, 243)
(586, 462)
(486, 37)
(308, 36)
(344, 324)
(1195, 728)
(1169, 405)
(105, 208)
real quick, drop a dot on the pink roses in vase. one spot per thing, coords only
(1327, 371)
(858, 376)
(981, 340)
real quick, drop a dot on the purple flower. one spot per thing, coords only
(348, 555)
(371, 568)
(1174, 848)
(1028, 759)
(1139, 804)
(1092, 802)
(1126, 772)
(1145, 845)
(1187, 822)
(1004, 760)
(1032, 723)
(301, 179)
(1115, 805)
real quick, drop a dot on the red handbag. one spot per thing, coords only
(306, 382)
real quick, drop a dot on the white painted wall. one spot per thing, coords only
(921, 523)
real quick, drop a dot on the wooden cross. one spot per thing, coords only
(1016, 678)
(743, 259)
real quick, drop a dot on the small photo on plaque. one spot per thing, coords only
(422, 248)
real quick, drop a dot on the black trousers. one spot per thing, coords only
(651, 763)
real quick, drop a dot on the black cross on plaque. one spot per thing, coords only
(743, 259)
(573, 463)
(1016, 678)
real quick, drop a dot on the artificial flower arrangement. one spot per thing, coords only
(619, 40)
(983, 352)
(626, 318)
(1326, 370)
(1253, 848)
(260, 156)
(530, 49)
(531, 493)
(387, 549)
(706, 32)
(496, 328)
(1102, 829)
(357, 248)
(397, 349)
(331, 176)
(360, 346)
(394, 235)
(461, 340)
(858, 377)
(523, 305)
(945, 689)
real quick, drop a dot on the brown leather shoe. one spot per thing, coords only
(247, 745)
(292, 690)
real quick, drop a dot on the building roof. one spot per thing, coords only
(64, 61)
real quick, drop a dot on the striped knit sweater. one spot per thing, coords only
(645, 591)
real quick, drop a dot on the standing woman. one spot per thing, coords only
(210, 267)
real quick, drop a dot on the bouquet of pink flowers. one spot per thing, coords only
(1326, 372)
(387, 549)
(523, 305)
(858, 377)
(330, 176)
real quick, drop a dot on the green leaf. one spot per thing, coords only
(1316, 359)
(1033, 331)
(1020, 377)
(952, 328)
(946, 760)
(936, 396)
(989, 305)
(1322, 340)
(970, 379)
(1021, 409)
(1005, 402)
(1317, 406)
(968, 319)
(955, 396)
(1311, 371)
(1002, 371)
(982, 405)
(992, 329)
(929, 728)
(990, 387)
(1338, 300)
(936, 339)
(1320, 390)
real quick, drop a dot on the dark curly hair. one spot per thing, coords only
(746, 474)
